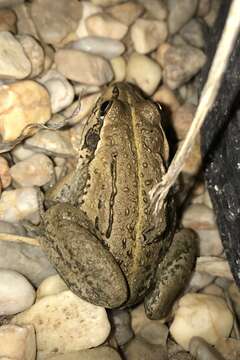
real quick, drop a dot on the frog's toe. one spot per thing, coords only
(172, 274)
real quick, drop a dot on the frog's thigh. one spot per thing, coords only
(86, 266)
(172, 274)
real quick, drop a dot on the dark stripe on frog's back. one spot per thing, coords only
(110, 160)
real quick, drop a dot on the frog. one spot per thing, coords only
(100, 231)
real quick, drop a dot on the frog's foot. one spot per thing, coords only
(74, 247)
(172, 274)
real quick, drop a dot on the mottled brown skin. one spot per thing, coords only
(101, 234)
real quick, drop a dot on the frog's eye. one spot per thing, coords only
(105, 106)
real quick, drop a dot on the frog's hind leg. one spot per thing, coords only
(172, 274)
(74, 247)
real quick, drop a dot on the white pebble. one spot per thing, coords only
(36, 170)
(108, 48)
(201, 315)
(147, 35)
(52, 285)
(14, 63)
(119, 68)
(16, 292)
(65, 322)
(60, 90)
(144, 72)
(88, 9)
(106, 26)
(17, 342)
(19, 204)
(180, 12)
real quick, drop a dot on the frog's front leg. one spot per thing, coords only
(172, 274)
(74, 247)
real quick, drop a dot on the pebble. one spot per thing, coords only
(66, 16)
(157, 8)
(60, 90)
(213, 289)
(105, 3)
(200, 280)
(140, 349)
(20, 153)
(84, 108)
(34, 52)
(8, 20)
(26, 259)
(127, 12)
(5, 176)
(51, 286)
(121, 326)
(209, 242)
(70, 63)
(198, 315)
(229, 348)
(160, 53)
(88, 9)
(22, 103)
(199, 216)
(147, 35)
(204, 7)
(9, 3)
(101, 352)
(189, 93)
(180, 64)
(139, 318)
(166, 97)
(36, 170)
(16, 293)
(107, 48)
(55, 143)
(25, 24)
(211, 17)
(84, 90)
(214, 266)
(180, 12)
(192, 32)
(202, 350)
(105, 25)
(119, 68)
(9, 228)
(19, 204)
(14, 64)
(144, 72)
(64, 323)
(182, 119)
(155, 332)
(193, 163)
(17, 342)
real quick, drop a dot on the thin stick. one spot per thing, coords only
(20, 239)
(209, 93)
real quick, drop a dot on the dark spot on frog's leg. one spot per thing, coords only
(172, 275)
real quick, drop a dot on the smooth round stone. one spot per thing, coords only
(100, 353)
(155, 333)
(51, 286)
(139, 348)
(180, 64)
(182, 119)
(106, 2)
(157, 8)
(83, 109)
(17, 342)
(19, 204)
(71, 63)
(199, 216)
(25, 24)
(26, 259)
(22, 103)
(88, 9)
(180, 12)
(55, 143)
(213, 289)
(194, 161)
(34, 52)
(8, 20)
(144, 72)
(192, 32)
(188, 320)
(211, 17)
(65, 322)
(9, 228)
(166, 96)
(201, 349)
(105, 25)
(204, 7)
(119, 68)
(5, 176)
(66, 15)
(9, 3)
(200, 280)
(16, 292)
(108, 48)
(122, 330)
(127, 12)
(60, 90)
(21, 153)
(147, 35)
(209, 242)
(36, 170)
(14, 63)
